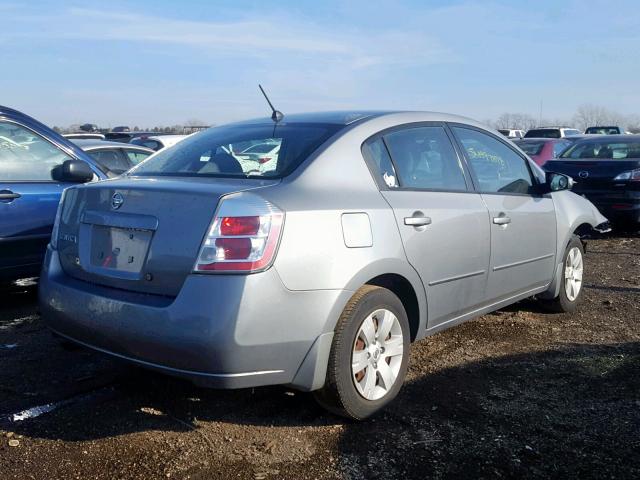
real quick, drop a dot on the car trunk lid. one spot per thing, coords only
(140, 234)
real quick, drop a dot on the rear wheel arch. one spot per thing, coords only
(403, 289)
(400, 278)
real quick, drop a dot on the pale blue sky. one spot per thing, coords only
(157, 62)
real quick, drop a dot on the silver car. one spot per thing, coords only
(372, 230)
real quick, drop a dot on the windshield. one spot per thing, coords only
(531, 147)
(603, 149)
(216, 152)
(544, 133)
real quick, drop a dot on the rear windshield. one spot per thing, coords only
(603, 149)
(531, 147)
(543, 133)
(217, 152)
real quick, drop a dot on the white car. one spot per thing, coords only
(552, 132)
(158, 142)
(260, 157)
(511, 133)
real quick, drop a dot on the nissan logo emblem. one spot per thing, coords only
(116, 201)
(583, 174)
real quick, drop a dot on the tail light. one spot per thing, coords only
(264, 159)
(56, 223)
(631, 175)
(243, 236)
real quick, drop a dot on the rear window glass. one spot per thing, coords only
(614, 150)
(531, 147)
(218, 152)
(543, 133)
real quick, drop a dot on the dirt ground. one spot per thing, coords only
(517, 393)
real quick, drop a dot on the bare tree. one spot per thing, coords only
(589, 115)
(520, 121)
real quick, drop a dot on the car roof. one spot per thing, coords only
(348, 117)
(611, 138)
(11, 111)
(95, 143)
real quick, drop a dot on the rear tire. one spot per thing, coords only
(369, 355)
(571, 284)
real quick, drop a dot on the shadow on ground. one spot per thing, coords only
(570, 412)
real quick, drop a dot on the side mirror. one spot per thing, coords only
(72, 171)
(558, 181)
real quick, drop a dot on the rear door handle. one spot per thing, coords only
(8, 195)
(501, 220)
(417, 221)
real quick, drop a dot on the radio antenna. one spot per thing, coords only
(276, 115)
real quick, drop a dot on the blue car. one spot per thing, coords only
(36, 165)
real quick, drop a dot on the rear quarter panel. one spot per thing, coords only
(312, 253)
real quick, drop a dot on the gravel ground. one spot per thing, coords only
(517, 393)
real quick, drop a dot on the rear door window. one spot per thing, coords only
(25, 155)
(424, 158)
(376, 152)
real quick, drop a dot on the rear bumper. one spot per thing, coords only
(223, 331)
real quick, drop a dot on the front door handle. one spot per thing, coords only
(502, 219)
(8, 195)
(417, 221)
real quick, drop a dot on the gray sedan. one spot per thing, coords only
(369, 231)
(114, 158)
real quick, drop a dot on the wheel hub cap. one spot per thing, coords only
(377, 354)
(573, 270)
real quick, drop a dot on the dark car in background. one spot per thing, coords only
(89, 127)
(542, 150)
(125, 136)
(114, 158)
(36, 165)
(606, 170)
(608, 130)
(157, 142)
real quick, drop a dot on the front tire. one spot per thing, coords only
(369, 355)
(571, 281)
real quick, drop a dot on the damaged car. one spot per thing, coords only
(369, 231)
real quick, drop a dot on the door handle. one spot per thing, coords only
(502, 219)
(8, 195)
(417, 221)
